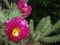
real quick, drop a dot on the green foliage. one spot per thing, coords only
(45, 28)
(52, 39)
(2, 17)
(27, 0)
(31, 25)
(14, 12)
(43, 24)
(7, 3)
(54, 27)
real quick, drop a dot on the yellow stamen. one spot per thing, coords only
(16, 32)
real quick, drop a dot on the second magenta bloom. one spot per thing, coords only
(24, 8)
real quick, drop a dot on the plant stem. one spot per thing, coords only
(7, 3)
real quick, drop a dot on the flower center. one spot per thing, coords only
(16, 32)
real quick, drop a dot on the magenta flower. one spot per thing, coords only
(24, 8)
(17, 29)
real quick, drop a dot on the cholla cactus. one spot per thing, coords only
(15, 29)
